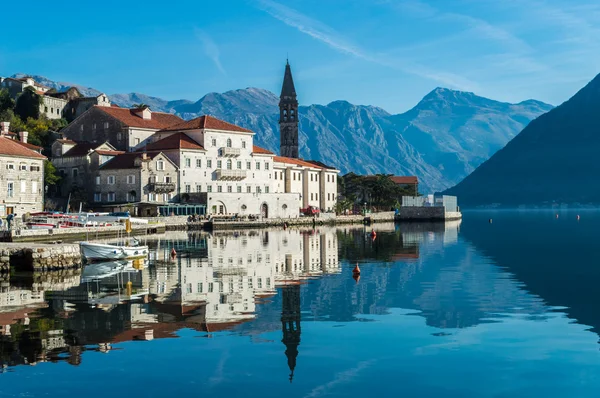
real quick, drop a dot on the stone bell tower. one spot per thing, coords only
(290, 324)
(288, 116)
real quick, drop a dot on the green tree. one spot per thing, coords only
(6, 102)
(51, 177)
(28, 104)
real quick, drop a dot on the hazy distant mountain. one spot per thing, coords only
(441, 140)
(553, 160)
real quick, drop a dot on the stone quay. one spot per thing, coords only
(39, 257)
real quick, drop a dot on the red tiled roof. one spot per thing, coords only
(405, 180)
(81, 149)
(206, 122)
(9, 147)
(320, 164)
(30, 146)
(297, 162)
(126, 160)
(257, 149)
(158, 120)
(174, 141)
(109, 153)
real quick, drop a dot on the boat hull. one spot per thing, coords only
(99, 251)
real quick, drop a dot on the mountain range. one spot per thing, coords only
(441, 140)
(553, 161)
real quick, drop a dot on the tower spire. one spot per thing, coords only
(288, 115)
(290, 325)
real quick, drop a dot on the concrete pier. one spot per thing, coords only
(39, 257)
(84, 233)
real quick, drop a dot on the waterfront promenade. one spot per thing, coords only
(157, 225)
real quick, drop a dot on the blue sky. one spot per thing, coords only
(388, 53)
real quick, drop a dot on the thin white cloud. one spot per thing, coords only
(325, 34)
(311, 27)
(211, 49)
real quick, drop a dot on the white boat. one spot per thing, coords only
(101, 251)
(97, 271)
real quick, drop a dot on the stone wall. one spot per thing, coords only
(40, 257)
(421, 213)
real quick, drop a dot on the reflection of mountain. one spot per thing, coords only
(524, 244)
(451, 285)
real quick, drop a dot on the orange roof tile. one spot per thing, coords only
(257, 149)
(158, 120)
(10, 147)
(405, 180)
(109, 153)
(206, 122)
(297, 162)
(30, 146)
(174, 141)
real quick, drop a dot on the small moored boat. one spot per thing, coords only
(102, 251)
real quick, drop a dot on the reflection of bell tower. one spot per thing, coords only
(288, 116)
(290, 324)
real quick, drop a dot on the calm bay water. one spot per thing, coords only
(471, 309)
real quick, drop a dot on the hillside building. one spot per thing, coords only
(125, 129)
(21, 176)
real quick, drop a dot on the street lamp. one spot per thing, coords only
(365, 211)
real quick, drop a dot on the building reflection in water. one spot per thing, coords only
(214, 284)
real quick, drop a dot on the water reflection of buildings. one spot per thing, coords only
(217, 282)
(26, 337)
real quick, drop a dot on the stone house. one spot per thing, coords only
(21, 177)
(77, 163)
(141, 181)
(125, 129)
(16, 86)
(77, 104)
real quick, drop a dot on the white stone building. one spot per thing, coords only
(21, 176)
(238, 177)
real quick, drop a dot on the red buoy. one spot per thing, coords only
(373, 233)
(173, 252)
(356, 270)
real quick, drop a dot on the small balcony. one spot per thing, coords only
(162, 187)
(231, 175)
(230, 152)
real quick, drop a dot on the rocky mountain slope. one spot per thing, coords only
(552, 161)
(441, 140)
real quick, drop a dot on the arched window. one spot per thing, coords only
(228, 142)
(229, 164)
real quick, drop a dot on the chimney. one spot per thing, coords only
(4, 126)
(23, 135)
